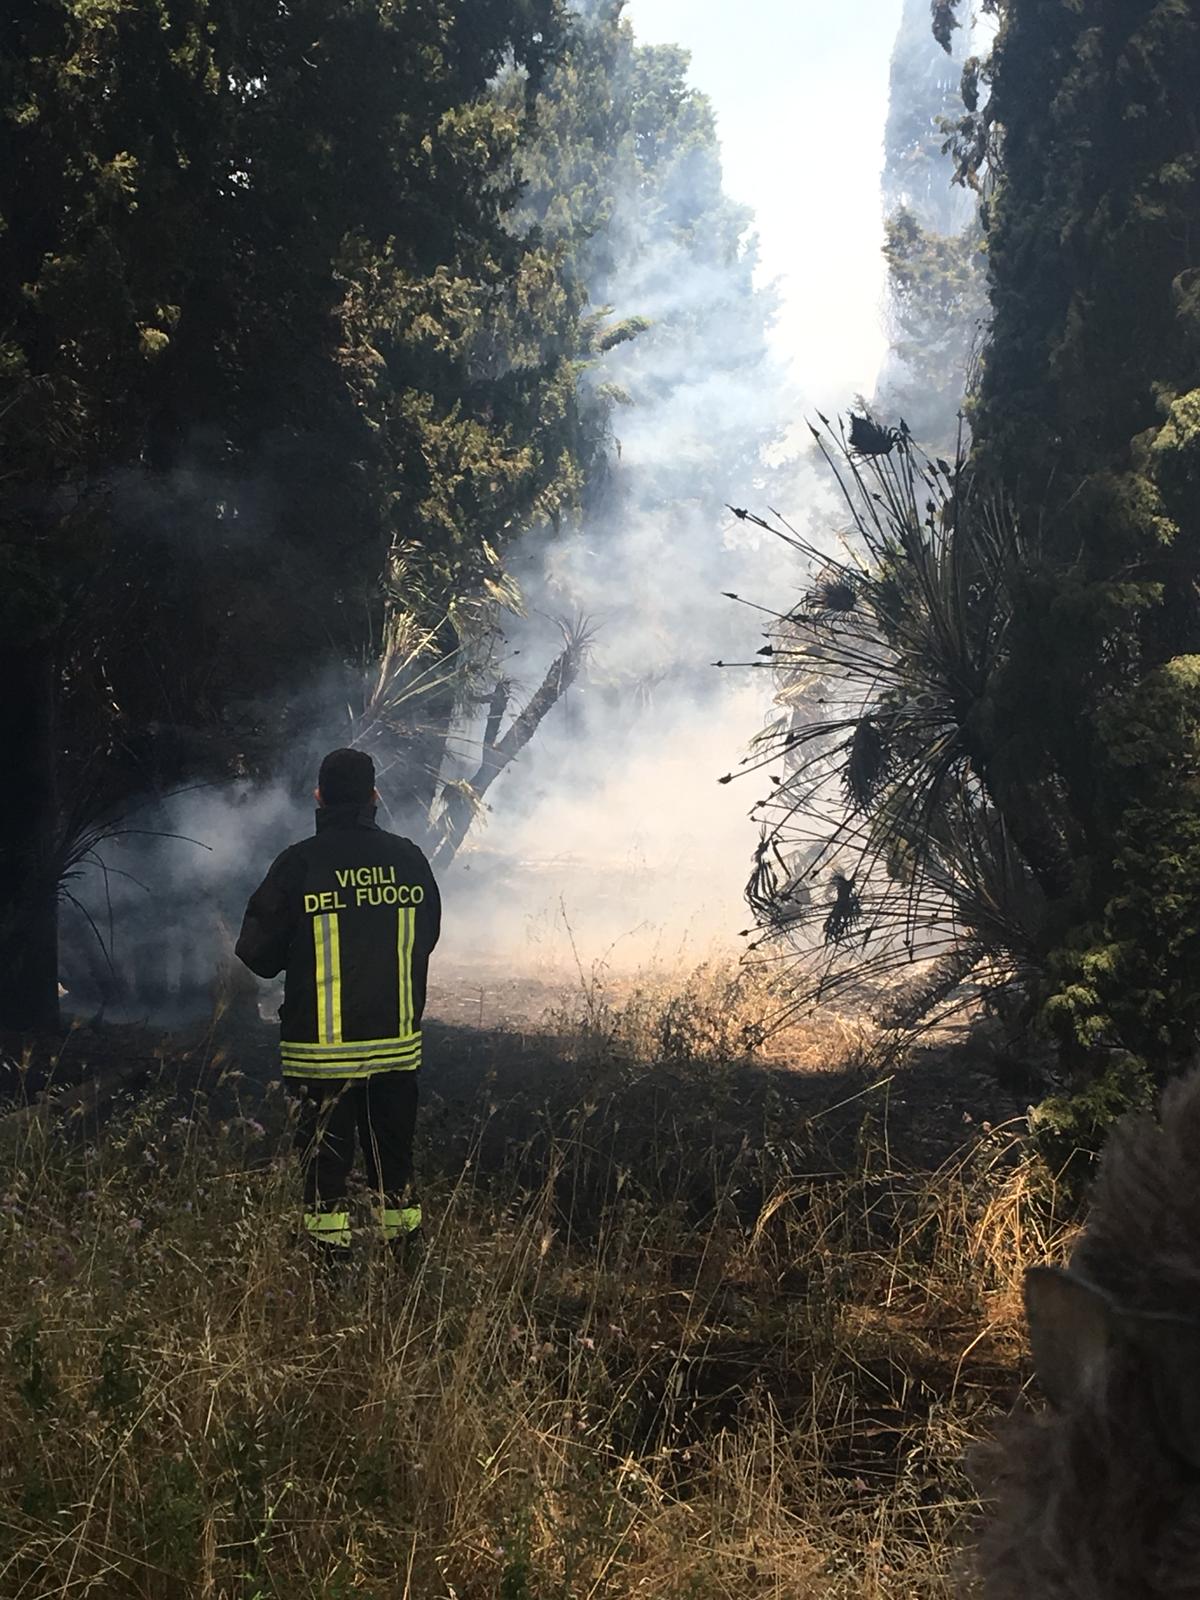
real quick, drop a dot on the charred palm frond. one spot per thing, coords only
(410, 685)
(889, 777)
(834, 591)
(867, 438)
(846, 911)
(776, 891)
(867, 763)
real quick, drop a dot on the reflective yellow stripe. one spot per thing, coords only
(305, 1069)
(327, 968)
(321, 972)
(350, 1064)
(356, 1059)
(394, 1222)
(351, 1047)
(406, 918)
(335, 963)
(330, 1227)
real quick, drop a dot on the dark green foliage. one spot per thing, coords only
(623, 175)
(923, 89)
(1089, 407)
(622, 178)
(944, 22)
(1134, 968)
(37, 1499)
(518, 1572)
(269, 358)
(1069, 1129)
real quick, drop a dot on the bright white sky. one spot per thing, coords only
(800, 92)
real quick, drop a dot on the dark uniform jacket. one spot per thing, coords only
(352, 914)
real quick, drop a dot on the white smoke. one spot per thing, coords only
(610, 839)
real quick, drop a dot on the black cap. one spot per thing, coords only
(347, 777)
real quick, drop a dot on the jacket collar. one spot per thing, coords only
(345, 816)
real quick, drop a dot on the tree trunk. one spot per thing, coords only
(28, 834)
(461, 804)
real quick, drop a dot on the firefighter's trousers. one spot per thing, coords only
(380, 1114)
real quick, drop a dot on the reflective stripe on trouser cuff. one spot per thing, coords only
(328, 1227)
(397, 1221)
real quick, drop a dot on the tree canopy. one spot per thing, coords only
(1090, 407)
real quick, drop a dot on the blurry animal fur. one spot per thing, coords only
(1099, 1496)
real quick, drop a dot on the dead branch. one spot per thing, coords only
(463, 800)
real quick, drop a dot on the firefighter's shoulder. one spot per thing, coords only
(406, 846)
(294, 853)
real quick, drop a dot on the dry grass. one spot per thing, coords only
(600, 1381)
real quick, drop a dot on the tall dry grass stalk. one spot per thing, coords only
(600, 1381)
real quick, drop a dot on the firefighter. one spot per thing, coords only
(351, 914)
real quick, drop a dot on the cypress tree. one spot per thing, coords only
(1089, 411)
